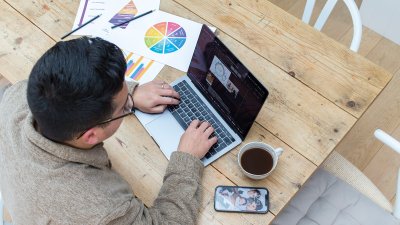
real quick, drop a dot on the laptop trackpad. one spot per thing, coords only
(167, 132)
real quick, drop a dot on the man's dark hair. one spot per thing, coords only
(71, 87)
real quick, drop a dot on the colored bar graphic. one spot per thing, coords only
(129, 64)
(129, 70)
(137, 71)
(142, 72)
(141, 69)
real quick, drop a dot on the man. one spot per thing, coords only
(54, 169)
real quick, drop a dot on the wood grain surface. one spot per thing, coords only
(318, 90)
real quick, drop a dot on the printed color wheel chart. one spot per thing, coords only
(165, 37)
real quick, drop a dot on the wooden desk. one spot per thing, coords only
(318, 90)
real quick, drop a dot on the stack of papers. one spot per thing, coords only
(149, 42)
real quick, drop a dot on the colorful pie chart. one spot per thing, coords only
(165, 37)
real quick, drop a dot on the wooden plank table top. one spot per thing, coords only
(318, 90)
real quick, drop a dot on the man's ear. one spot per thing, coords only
(91, 136)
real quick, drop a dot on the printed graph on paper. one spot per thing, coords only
(141, 69)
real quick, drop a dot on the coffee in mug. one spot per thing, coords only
(257, 160)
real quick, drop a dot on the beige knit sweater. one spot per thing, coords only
(48, 183)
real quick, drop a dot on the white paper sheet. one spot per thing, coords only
(125, 9)
(160, 36)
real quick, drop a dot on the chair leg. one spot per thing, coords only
(387, 140)
(308, 9)
(395, 145)
(357, 24)
(325, 13)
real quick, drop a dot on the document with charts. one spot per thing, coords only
(160, 36)
(122, 9)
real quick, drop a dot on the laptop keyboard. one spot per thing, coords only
(192, 107)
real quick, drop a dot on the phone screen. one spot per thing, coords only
(241, 199)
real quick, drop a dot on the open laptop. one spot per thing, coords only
(219, 89)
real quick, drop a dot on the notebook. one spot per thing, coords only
(217, 88)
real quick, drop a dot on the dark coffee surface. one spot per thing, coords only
(257, 161)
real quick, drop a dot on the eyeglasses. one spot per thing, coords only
(128, 110)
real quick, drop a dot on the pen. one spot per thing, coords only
(134, 18)
(80, 26)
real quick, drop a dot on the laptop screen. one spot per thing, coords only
(226, 83)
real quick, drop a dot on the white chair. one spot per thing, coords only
(339, 193)
(326, 11)
(395, 145)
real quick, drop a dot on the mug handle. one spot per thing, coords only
(278, 151)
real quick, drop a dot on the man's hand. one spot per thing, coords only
(154, 97)
(196, 139)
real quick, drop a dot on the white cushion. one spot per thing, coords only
(326, 200)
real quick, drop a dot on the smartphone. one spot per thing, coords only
(241, 199)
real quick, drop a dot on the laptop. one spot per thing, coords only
(219, 89)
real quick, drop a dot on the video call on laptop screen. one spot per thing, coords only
(235, 93)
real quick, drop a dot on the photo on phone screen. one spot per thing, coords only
(241, 199)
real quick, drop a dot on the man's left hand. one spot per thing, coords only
(154, 97)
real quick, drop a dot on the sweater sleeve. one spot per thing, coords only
(178, 201)
(132, 84)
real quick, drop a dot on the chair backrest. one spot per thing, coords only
(395, 145)
(326, 11)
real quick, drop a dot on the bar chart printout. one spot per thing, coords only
(141, 69)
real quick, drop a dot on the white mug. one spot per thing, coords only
(275, 153)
